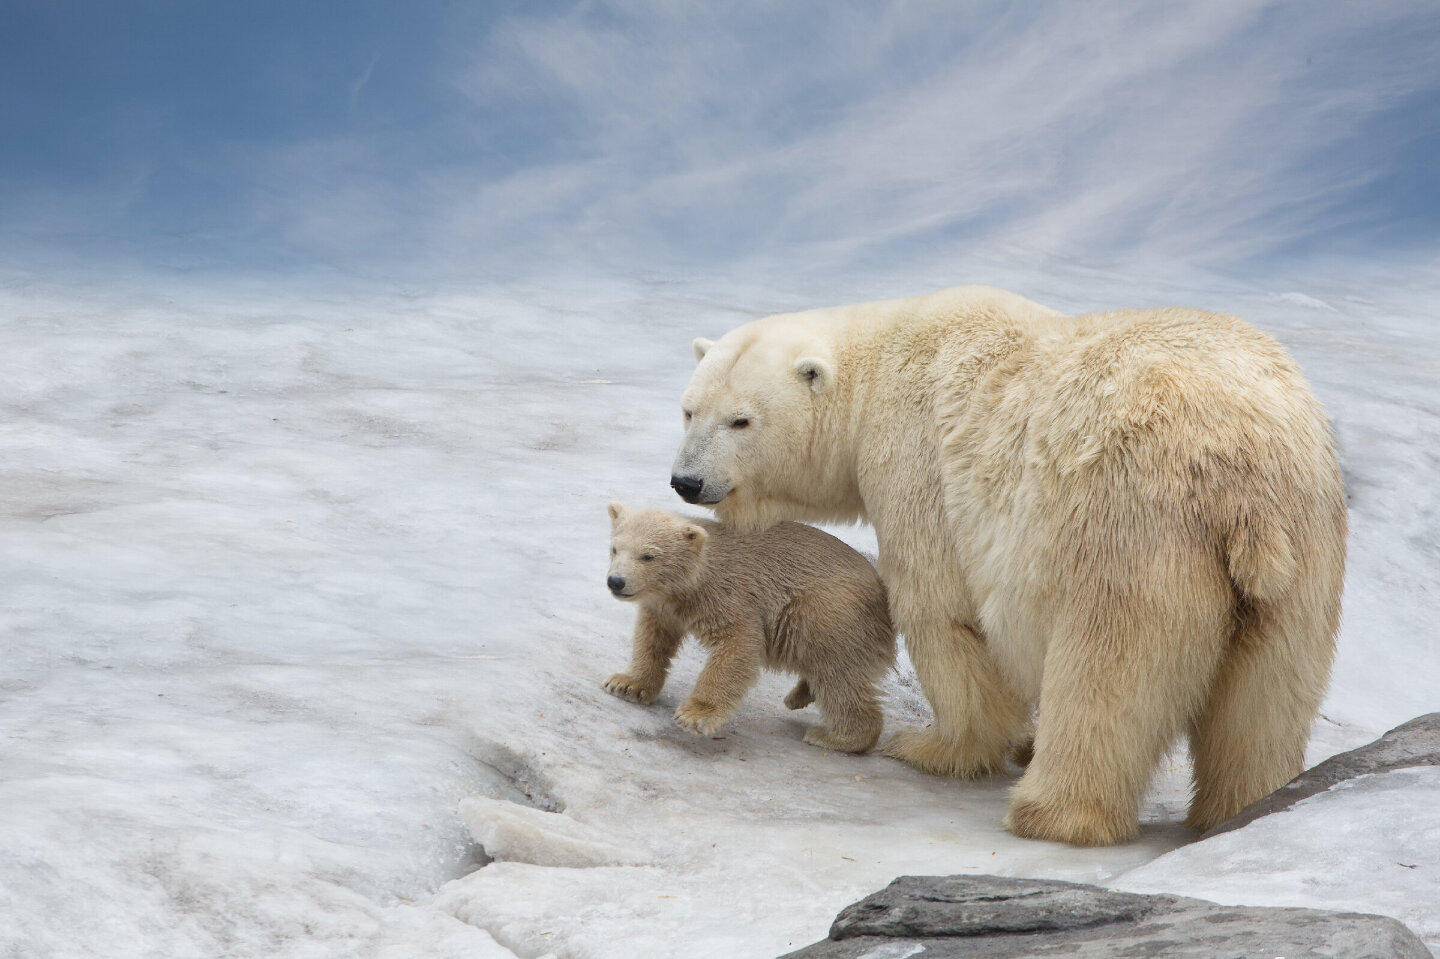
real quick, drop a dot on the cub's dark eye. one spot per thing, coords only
(648, 557)
(687, 416)
(739, 423)
(612, 551)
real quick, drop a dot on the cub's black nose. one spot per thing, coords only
(688, 487)
(616, 583)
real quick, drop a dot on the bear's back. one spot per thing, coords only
(794, 553)
(819, 602)
(1197, 381)
(763, 572)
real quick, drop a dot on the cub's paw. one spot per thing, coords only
(628, 687)
(800, 696)
(701, 718)
(926, 751)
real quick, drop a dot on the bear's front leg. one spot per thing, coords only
(656, 640)
(976, 716)
(730, 673)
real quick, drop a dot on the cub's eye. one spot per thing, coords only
(739, 423)
(687, 416)
(612, 551)
(647, 558)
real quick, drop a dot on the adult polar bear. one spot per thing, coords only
(1134, 519)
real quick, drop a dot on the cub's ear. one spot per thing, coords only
(815, 371)
(701, 346)
(615, 509)
(695, 536)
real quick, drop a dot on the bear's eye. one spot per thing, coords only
(612, 551)
(647, 558)
(739, 423)
(687, 416)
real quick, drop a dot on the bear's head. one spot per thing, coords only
(752, 449)
(652, 552)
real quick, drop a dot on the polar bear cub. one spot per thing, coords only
(790, 598)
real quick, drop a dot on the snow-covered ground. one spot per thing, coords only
(301, 588)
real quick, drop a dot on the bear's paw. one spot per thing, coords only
(628, 687)
(700, 717)
(800, 696)
(825, 738)
(928, 752)
(1076, 823)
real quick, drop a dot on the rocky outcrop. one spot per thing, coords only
(953, 916)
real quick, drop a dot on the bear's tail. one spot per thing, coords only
(1261, 557)
(1289, 531)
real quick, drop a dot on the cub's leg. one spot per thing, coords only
(800, 696)
(656, 639)
(1121, 680)
(730, 673)
(852, 714)
(1249, 738)
(976, 715)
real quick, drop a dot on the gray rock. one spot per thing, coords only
(953, 916)
(1417, 743)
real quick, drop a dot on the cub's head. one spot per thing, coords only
(652, 552)
(750, 450)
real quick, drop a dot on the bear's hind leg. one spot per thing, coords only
(976, 714)
(1119, 686)
(801, 696)
(1249, 738)
(852, 715)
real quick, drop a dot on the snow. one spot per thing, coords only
(305, 627)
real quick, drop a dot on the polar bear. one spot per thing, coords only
(790, 598)
(1132, 523)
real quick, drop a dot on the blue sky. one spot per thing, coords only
(480, 139)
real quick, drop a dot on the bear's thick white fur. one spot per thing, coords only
(790, 598)
(1134, 520)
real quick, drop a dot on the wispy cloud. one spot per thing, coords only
(632, 132)
(1213, 130)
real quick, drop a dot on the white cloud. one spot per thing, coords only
(1201, 130)
(824, 134)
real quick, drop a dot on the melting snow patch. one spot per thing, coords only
(516, 833)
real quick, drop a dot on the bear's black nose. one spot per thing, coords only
(616, 583)
(688, 487)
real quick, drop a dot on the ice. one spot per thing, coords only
(305, 629)
(518, 833)
(1370, 844)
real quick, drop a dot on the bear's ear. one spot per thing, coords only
(701, 346)
(615, 509)
(695, 536)
(815, 371)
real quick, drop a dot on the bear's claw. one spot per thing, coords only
(627, 687)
